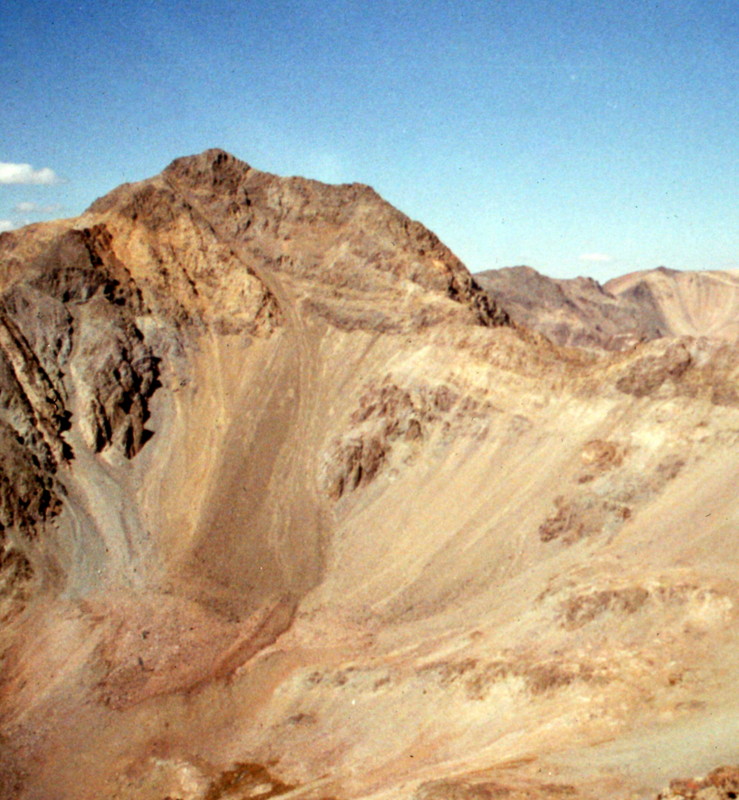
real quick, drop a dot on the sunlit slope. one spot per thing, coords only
(520, 573)
(691, 303)
(355, 536)
(476, 642)
(512, 571)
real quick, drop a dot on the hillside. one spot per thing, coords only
(291, 508)
(634, 308)
(691, 303)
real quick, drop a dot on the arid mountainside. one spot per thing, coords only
(289, 507)
(634, 308)
(690, 303)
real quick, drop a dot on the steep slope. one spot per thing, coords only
(637, 307)
(291, 509)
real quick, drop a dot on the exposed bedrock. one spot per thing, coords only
(290, 506)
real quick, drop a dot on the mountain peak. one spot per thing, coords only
(288, 506)
(213, 168)
(343, 241)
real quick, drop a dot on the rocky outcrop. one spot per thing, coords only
(647, 374)
(721, 783)
(387, 414)
(680, 367)
(390, 426)
(475, 788)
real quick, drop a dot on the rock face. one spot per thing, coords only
(638, 307)
(289, 506)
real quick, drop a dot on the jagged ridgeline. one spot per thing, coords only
(291, 506)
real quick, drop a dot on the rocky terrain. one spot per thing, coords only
(625, 311)
(290, 507)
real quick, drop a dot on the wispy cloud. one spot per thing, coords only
(598, 257)
(6, 225)
(28, 208)
(26, 174)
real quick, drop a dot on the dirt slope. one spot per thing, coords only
(289, 508)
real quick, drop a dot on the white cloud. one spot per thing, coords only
(24, 208)
(601, 257)
(25, 173)
(6, 225)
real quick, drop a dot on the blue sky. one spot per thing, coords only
(577, 137)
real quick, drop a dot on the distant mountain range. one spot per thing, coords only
(637, 307)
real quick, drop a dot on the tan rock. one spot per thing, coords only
(289, 507)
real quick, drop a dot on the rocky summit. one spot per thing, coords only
(292, 506)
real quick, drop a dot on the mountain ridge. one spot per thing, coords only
(639, 306)
(291, 506)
